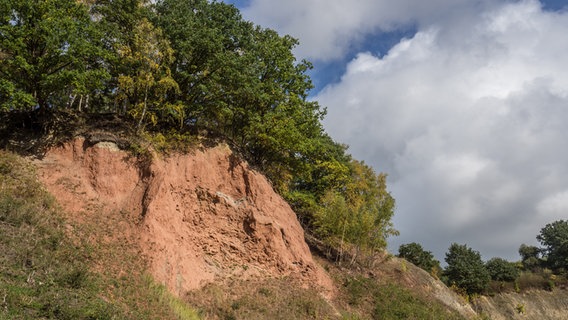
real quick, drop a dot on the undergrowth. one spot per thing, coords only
(260, 299)
(48, 272)
(370, 299)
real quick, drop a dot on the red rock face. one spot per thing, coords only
(202, 217)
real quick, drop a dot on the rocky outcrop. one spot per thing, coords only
(199, 218)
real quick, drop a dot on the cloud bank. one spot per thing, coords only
(469, 118)
(328, 28)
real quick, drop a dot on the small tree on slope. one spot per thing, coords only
(466, 269)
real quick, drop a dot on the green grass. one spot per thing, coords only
(181, 310)
(47, 273)
(42, 274)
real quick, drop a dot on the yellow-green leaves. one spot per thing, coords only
(144, 86)
(359, 214)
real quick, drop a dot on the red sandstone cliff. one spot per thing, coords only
(199, 218)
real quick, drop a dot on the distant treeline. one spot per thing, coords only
(183, 67)
(539, 268)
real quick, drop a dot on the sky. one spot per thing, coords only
(463, 103)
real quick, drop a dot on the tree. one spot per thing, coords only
(554, 238)
(360, 214)
(143, 88)
(414, 253)
(49, 54)
(242, 82)
(530, 257)
(501, 269)
(213, 62)
(465, 269)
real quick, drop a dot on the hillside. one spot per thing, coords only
(214, 233)
(534, 304)
(196, 218)
(167, 162)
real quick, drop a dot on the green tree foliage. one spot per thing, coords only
(554, 238)
(326, 168)
(242, 82)
(359, 214)
(530, 257)
(465, 269)
(414, 253)
(502, 270)
(49, 53)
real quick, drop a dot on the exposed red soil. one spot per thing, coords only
(198, 218)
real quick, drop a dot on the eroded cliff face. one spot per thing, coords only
(198, 218)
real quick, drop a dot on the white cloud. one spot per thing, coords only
(326, 28)
(469, 118)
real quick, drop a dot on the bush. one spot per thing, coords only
(501, 270)
(530, 257)
(414, 253)
(529, 280)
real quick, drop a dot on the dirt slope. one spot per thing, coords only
(196, 218)
(534, 305)
(420, 281)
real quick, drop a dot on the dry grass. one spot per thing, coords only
(266, 299)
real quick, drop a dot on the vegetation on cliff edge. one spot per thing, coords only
(173, 70)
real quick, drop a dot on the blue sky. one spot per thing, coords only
(463, 103)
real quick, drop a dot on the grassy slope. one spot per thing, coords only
(47, 265)
(359, 296)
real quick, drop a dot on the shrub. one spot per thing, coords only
(414, 253)
(530, 280)
(501, 270)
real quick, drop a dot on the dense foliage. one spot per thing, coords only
(465, 269)
(414, 253)
(539, 268)
(530, 257)
(501, 269)
(194, 67)
(554, 238)
(49, 52)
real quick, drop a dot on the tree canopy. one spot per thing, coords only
(530, 257)
(50, 52)
(414, 253)
(501, 269)
(554, 238)
(465, 269)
